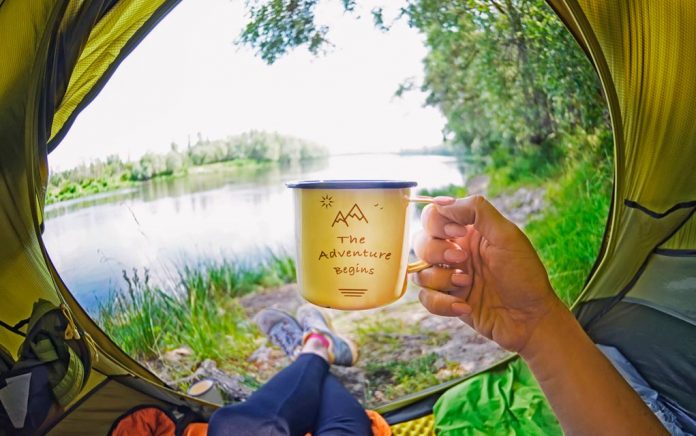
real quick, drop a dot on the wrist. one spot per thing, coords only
(551, 331)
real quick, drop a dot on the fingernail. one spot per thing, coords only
(460, 309)
(455, 230)
(453, 255)
(442, 200)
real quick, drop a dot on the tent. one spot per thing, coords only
(55, 57)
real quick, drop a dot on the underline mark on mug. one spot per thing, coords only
(352, 292)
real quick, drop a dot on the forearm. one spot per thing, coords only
(585, 391)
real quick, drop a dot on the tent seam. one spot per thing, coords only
(682, 205)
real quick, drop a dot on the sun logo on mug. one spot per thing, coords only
(326, 201)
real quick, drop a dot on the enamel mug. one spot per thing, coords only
(352, 241)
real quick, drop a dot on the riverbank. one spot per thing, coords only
(249, 151)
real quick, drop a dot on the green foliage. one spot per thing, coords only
(199, 310)
(568, 235)
(402, 377)
(394, 371)
(456, 191)
(99, 176)
(509, 78)
(246, 149)
(279, 25)
(528, 166)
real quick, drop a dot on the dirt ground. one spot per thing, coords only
(387, 337)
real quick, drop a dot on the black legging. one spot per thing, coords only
(302, 398)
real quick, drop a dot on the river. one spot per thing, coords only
(168, 222)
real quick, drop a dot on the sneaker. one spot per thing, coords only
(282, 330)
(342, 351)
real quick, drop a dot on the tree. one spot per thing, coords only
(506, 74)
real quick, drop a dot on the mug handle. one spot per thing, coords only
(417, 266)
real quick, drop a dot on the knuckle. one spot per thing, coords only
(424, 298)
(425, 214)
(432, 253)
(479, 199)
(420, 278)
(420, 242)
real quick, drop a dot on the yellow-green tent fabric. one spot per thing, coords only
(55, 56)
(641, 296)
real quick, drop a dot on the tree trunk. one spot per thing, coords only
(539, 117)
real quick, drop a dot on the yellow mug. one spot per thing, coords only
(352, 241)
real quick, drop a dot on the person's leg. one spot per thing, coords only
(287, 404)
(294, 402)
(340, 414)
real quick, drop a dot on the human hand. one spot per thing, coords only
(485, 271)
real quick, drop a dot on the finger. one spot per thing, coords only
(434, 250)
(442, 304)
(461, 280)
(433, 222)
(441, 279)
(477, 211)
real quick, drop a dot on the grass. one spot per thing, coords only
(397, 378)
(235, 278)
(199, 310)
(393, 366)
(390, 332)
(569, 232)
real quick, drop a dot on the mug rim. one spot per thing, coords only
(351, 184)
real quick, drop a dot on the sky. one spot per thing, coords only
(188, 77)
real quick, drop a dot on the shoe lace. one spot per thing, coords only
(282, 335)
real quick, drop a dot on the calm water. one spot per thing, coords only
(164, 223)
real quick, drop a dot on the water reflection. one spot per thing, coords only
(196, 181)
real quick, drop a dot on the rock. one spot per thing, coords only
(177, 355)
(521, 205)
(477, 184)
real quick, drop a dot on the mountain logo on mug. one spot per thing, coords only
(355, 212)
